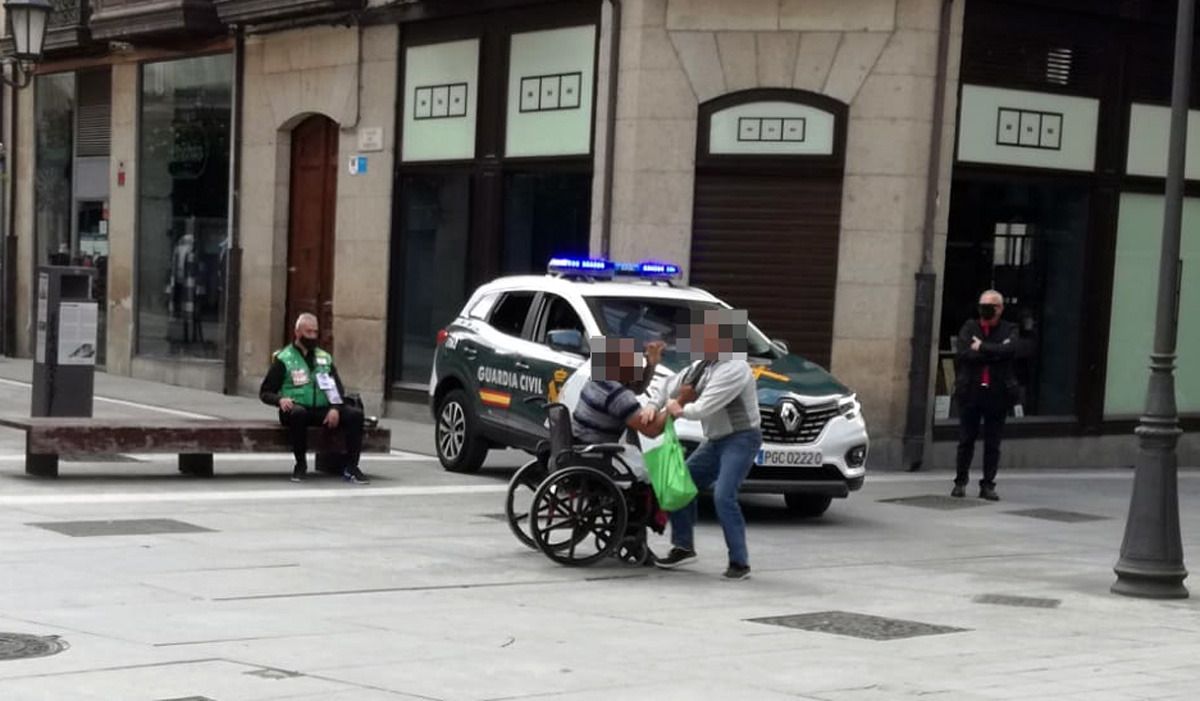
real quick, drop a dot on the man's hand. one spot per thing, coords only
(654, 351)
(286, 404)
(976, 342)
(647, 414)
(331, 419)
(674, 408)
(687, 394)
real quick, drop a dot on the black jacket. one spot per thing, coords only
(996, 353)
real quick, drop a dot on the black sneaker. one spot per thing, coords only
(675, 558)
(989, 493)
(298, 474)
(356, 476)
(958, 491)
(737, 571)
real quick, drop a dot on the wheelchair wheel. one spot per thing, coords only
(519, 501)
(578, 516)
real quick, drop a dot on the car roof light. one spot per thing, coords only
(599, 268)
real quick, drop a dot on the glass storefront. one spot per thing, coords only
(435, 267)
(545, 215)
(54, 109)
(1027, 240)
(183, 206)
(1135, 297)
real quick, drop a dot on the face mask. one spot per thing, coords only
(987, 312)
(308, 343)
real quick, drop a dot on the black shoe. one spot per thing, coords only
(298, 473)
(737, 571)
(355, 476)
(958, 491)
(675, 558)
(988, 493)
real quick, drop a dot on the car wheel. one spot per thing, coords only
(460, 448)
(807, 505)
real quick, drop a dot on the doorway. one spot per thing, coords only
(767, 212)
(312, 210)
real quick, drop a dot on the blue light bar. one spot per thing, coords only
(601, 268)
(590, 267)
(649, 270)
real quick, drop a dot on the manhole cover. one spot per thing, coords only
(18, 646)
(140, 526)
(97, 458)
(857, 625)
(935, 501)
(1056, 515)
(1026, 601)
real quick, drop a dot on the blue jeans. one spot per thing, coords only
(725, 462)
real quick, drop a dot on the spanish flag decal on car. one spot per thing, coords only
(491, 397)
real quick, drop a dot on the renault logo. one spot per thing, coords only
(791, 416)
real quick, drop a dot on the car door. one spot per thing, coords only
(551, 365)
(503, 370)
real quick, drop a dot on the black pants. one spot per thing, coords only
(989, 406)
(350, 421)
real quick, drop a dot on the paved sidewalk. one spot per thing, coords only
(248, 587)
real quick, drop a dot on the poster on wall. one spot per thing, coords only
(77, 333)
(550, 84)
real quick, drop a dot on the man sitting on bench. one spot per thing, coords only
(304, 384)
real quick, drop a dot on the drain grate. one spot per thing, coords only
(103, 457)
(140, 526)
(857, 625)
(1060, 516)
(19, 646)
(935, 501)
(1026, 601)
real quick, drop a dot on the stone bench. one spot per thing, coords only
(194, 441)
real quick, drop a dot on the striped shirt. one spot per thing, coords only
(604, 408)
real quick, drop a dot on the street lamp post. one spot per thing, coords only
(27, 21)
(1151, 564)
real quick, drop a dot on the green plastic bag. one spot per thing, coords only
(669, 474)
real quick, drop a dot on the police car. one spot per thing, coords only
(521, 337)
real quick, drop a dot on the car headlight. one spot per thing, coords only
(849, 407)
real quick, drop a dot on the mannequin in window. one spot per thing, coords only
(185, 286)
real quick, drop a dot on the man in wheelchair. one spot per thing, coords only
(593, 498)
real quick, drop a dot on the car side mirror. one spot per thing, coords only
(781, 343)
(567, 341)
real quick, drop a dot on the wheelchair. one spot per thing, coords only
(579, 504)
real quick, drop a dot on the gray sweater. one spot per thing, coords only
(728, 401)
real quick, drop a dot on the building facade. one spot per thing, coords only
(226, 164)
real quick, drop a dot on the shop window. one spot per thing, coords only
(545, 215)
(1135, 298)
(1027, 241)
(54, 109)
(183, 206)
(435, 215)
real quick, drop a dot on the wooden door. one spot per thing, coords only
(311, 224)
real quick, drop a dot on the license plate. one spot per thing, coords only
(789, 458)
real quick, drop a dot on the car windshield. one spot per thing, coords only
(649, 319)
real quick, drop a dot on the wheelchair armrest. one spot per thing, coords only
(601, 449)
